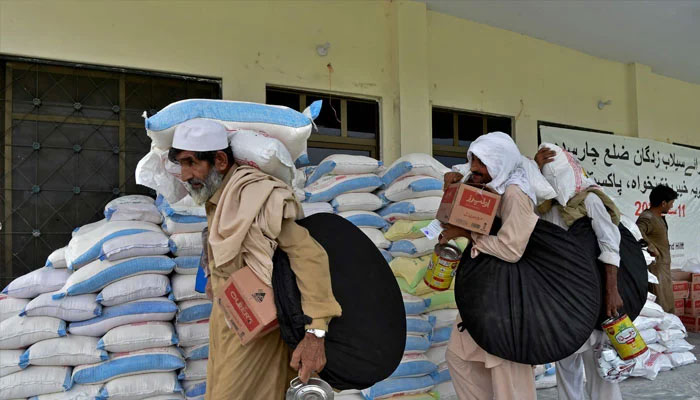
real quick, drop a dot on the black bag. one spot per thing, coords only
(365, 345)
(538, 310)
(632, 278)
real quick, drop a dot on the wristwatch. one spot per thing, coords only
(319, 333)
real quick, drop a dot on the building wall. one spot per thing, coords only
(394, 51)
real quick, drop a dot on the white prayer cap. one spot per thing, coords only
(200, 135)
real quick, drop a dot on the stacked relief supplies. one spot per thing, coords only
(98, 320)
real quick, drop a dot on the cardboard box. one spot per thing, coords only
(695, 290)
(469, 207)
(248, 305)
(681, 289)
(693, 283)
(679, 306)
(692, 307)
(692, 324)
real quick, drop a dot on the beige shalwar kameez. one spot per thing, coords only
(655, 232)
(247, 218)
(475, 373)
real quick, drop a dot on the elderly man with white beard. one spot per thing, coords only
(249, 214)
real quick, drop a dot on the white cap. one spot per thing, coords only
(200, 135)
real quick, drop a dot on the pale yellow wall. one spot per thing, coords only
(397, 52)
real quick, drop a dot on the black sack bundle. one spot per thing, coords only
(632, 278)
(365, 345)
(538, 310)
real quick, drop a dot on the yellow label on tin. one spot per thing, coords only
(625, 337)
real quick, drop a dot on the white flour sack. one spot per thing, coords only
(290, 127)
(365, 219)
(193, 334)
(411, 187)
(66, 351)
(84, 248)
(157, 172)
(412, 247)
(21, 332)
(193, 310)
(9, 361)
(77, 392)
(138, 336)
(35, 381)
(565, 174)
(87, 228)
(195, 390)
(98, 274)
(183, 288)
(134, 207)
(159, 385)
(265, 153)
(183, 224)
(194, 370)
(412, 209)
(187, 265)
(10, 306)
(186, 244)
(332, 186)
(156, 309)
(140, 244)
(162, 359)
(42, 280)
(356, 202)
(71, 308)
(134, 288)
(395, 387)
(414, 164)
(377, 237)
(57, 259)
(199, 352)
(181, 217)
(316, 208)
(543, 190)
(344, 164)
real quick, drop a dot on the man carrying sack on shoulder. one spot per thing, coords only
(249, 214)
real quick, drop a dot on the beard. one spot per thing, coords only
(209, 186)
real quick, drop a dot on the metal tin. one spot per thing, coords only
(316, 389)
(624, 337)
(442, 267)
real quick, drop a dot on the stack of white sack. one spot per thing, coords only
(184, 222)
(270, 138)
(665, 335)
(101, 328)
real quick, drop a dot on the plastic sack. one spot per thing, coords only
(413, 365)
(193, 334)
(10, 306)
(406, 229)
(156, 309)
(57, 259)
(440, 300)
(265, 153)
(316, 208)
(365, 219)
(652, 310)
(356, 202)
(332, 186)
(73, 308)
(35, 381)
(67, 351)
(410, 269)
(142, 386)
(564, 174)
(377, 237)
(394, 387)
(134, 288)
(543, 190)
(162, 359)
(194, 370)
(199, 352)
(155, 171)
(418, 325)
(193, 310)
(413, 248)
(76, 392)
(21, 332)
(642, 322)
(412, 187)
(440, 336)
(186, 244)
(183, 288)
(138, 245)
(414, 164)
(436, 354)
(416, 344)
(610, 366)
(9, 361)
(443, 318)
(671, 321)
(344, 164)
(677, 346)
(187, 265)
(42, 280)
(133, 208)
(649, 335)
(412, 209)
(682, 358)
(138, 336)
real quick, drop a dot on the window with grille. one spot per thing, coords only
(71, 139)
(453, 132)
(346, 125)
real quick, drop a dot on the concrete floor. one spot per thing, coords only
(678, 384)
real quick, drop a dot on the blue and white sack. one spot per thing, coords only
(183, 216)
(344, 164)
(420, 209)
(138, 336)
(417, 344)
(184, 288)
(412, 187)
(387, 256)
(87, 246)
(441, 374)
(76, 392)
(134, 288)
(21, 332)
(66, 351)
(193, 310)
(162, 359)
(331, 186)
(156, 309)
(441, 336)
(195, 390)
(138, 245)
(199, 352)
(418, 325)
(133, 207)
(157, 385)
(393, 387)
(356, 202)
(187, 265)
(193, 334)
(365, 219)
(9, 361)
(42, 280)
(35, 381)
(377, 237)
(413, 365)
(414, 305)
(57, 259)
(71, 308)
(98, 274)
(413, 248)
(414, 164)
(194, 370)
(186, 244)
